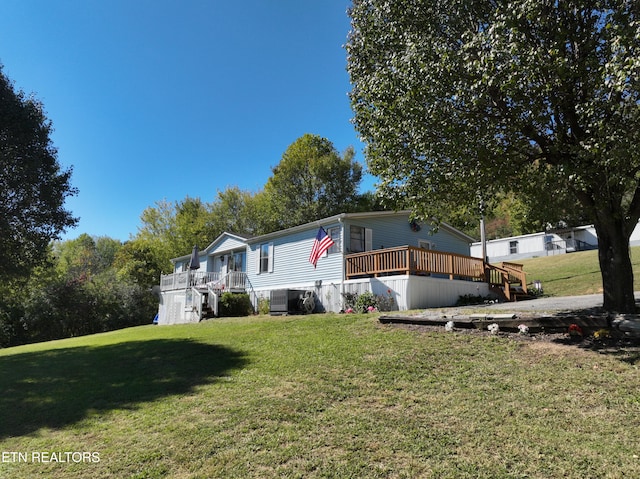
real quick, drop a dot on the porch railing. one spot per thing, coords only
(234, 280)
(413, 260)
(417, 261)
(186, 279)
(505, 275)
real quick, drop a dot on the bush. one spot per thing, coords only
(365, 302)
(264, 306)
(233, 304)
(470, 299)
(361, 303)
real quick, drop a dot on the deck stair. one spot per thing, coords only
(206, 293)
(508, 281)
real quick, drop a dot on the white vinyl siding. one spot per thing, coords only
(392, 231)
(291, 267)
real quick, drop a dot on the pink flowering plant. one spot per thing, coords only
(366, 302)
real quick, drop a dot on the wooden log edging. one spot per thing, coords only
(507, 322)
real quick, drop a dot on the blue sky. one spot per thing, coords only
(161, 99)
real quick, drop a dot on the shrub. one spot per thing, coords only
(366, 302)
(349, 300)
(386, 303)
(360, 303)
(233, 304)
(264, 306)
(469, 299)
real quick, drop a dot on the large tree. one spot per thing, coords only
(33, 185)
(312, 181)
(460, 99)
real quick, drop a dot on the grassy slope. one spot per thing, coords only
(318, 396)
(573, 274)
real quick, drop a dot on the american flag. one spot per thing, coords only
(322, 243)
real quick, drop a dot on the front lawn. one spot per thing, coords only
(316, 396)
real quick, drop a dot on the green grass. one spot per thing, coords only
(574, 273)
(318, 396)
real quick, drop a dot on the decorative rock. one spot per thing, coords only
(628, 323)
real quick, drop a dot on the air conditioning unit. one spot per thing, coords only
(287, 301)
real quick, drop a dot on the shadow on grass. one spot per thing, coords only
(59, 387)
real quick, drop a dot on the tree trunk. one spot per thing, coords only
(615, 264)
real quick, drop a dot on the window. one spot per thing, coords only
(334, 234)
(424, 244)
(513, 247)
(265, 258)
(236, 262)
(360, 239)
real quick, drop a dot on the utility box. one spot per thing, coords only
(286, 301)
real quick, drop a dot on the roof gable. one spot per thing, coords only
(225, 241)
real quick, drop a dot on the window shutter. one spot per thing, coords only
(258, 253)
(270, 257)
(368, 239)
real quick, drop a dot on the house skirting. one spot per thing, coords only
(173, 310)
(407, 292)
(418, 292)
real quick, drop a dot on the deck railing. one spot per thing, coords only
(505, 275)
(235, 280)
(413, 260)
(186, 279)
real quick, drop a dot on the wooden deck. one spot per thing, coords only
(507, 278)
(412, 260)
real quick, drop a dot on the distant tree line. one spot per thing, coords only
(80, 289)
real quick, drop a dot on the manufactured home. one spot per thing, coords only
(547, 243)
(384, 253)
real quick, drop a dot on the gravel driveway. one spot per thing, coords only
(558, 304)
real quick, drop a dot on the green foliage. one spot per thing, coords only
(264, 306)
(235, 304)
(312, 181)
(368, 302)
(66, 307)
(33, 185)
(170, 230)
(78, 292)
(465, 100)
(136, 262)
(85, 255)
(365, 301)
(468, 299)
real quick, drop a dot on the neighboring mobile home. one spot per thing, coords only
(549, 243)
(379, 252)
